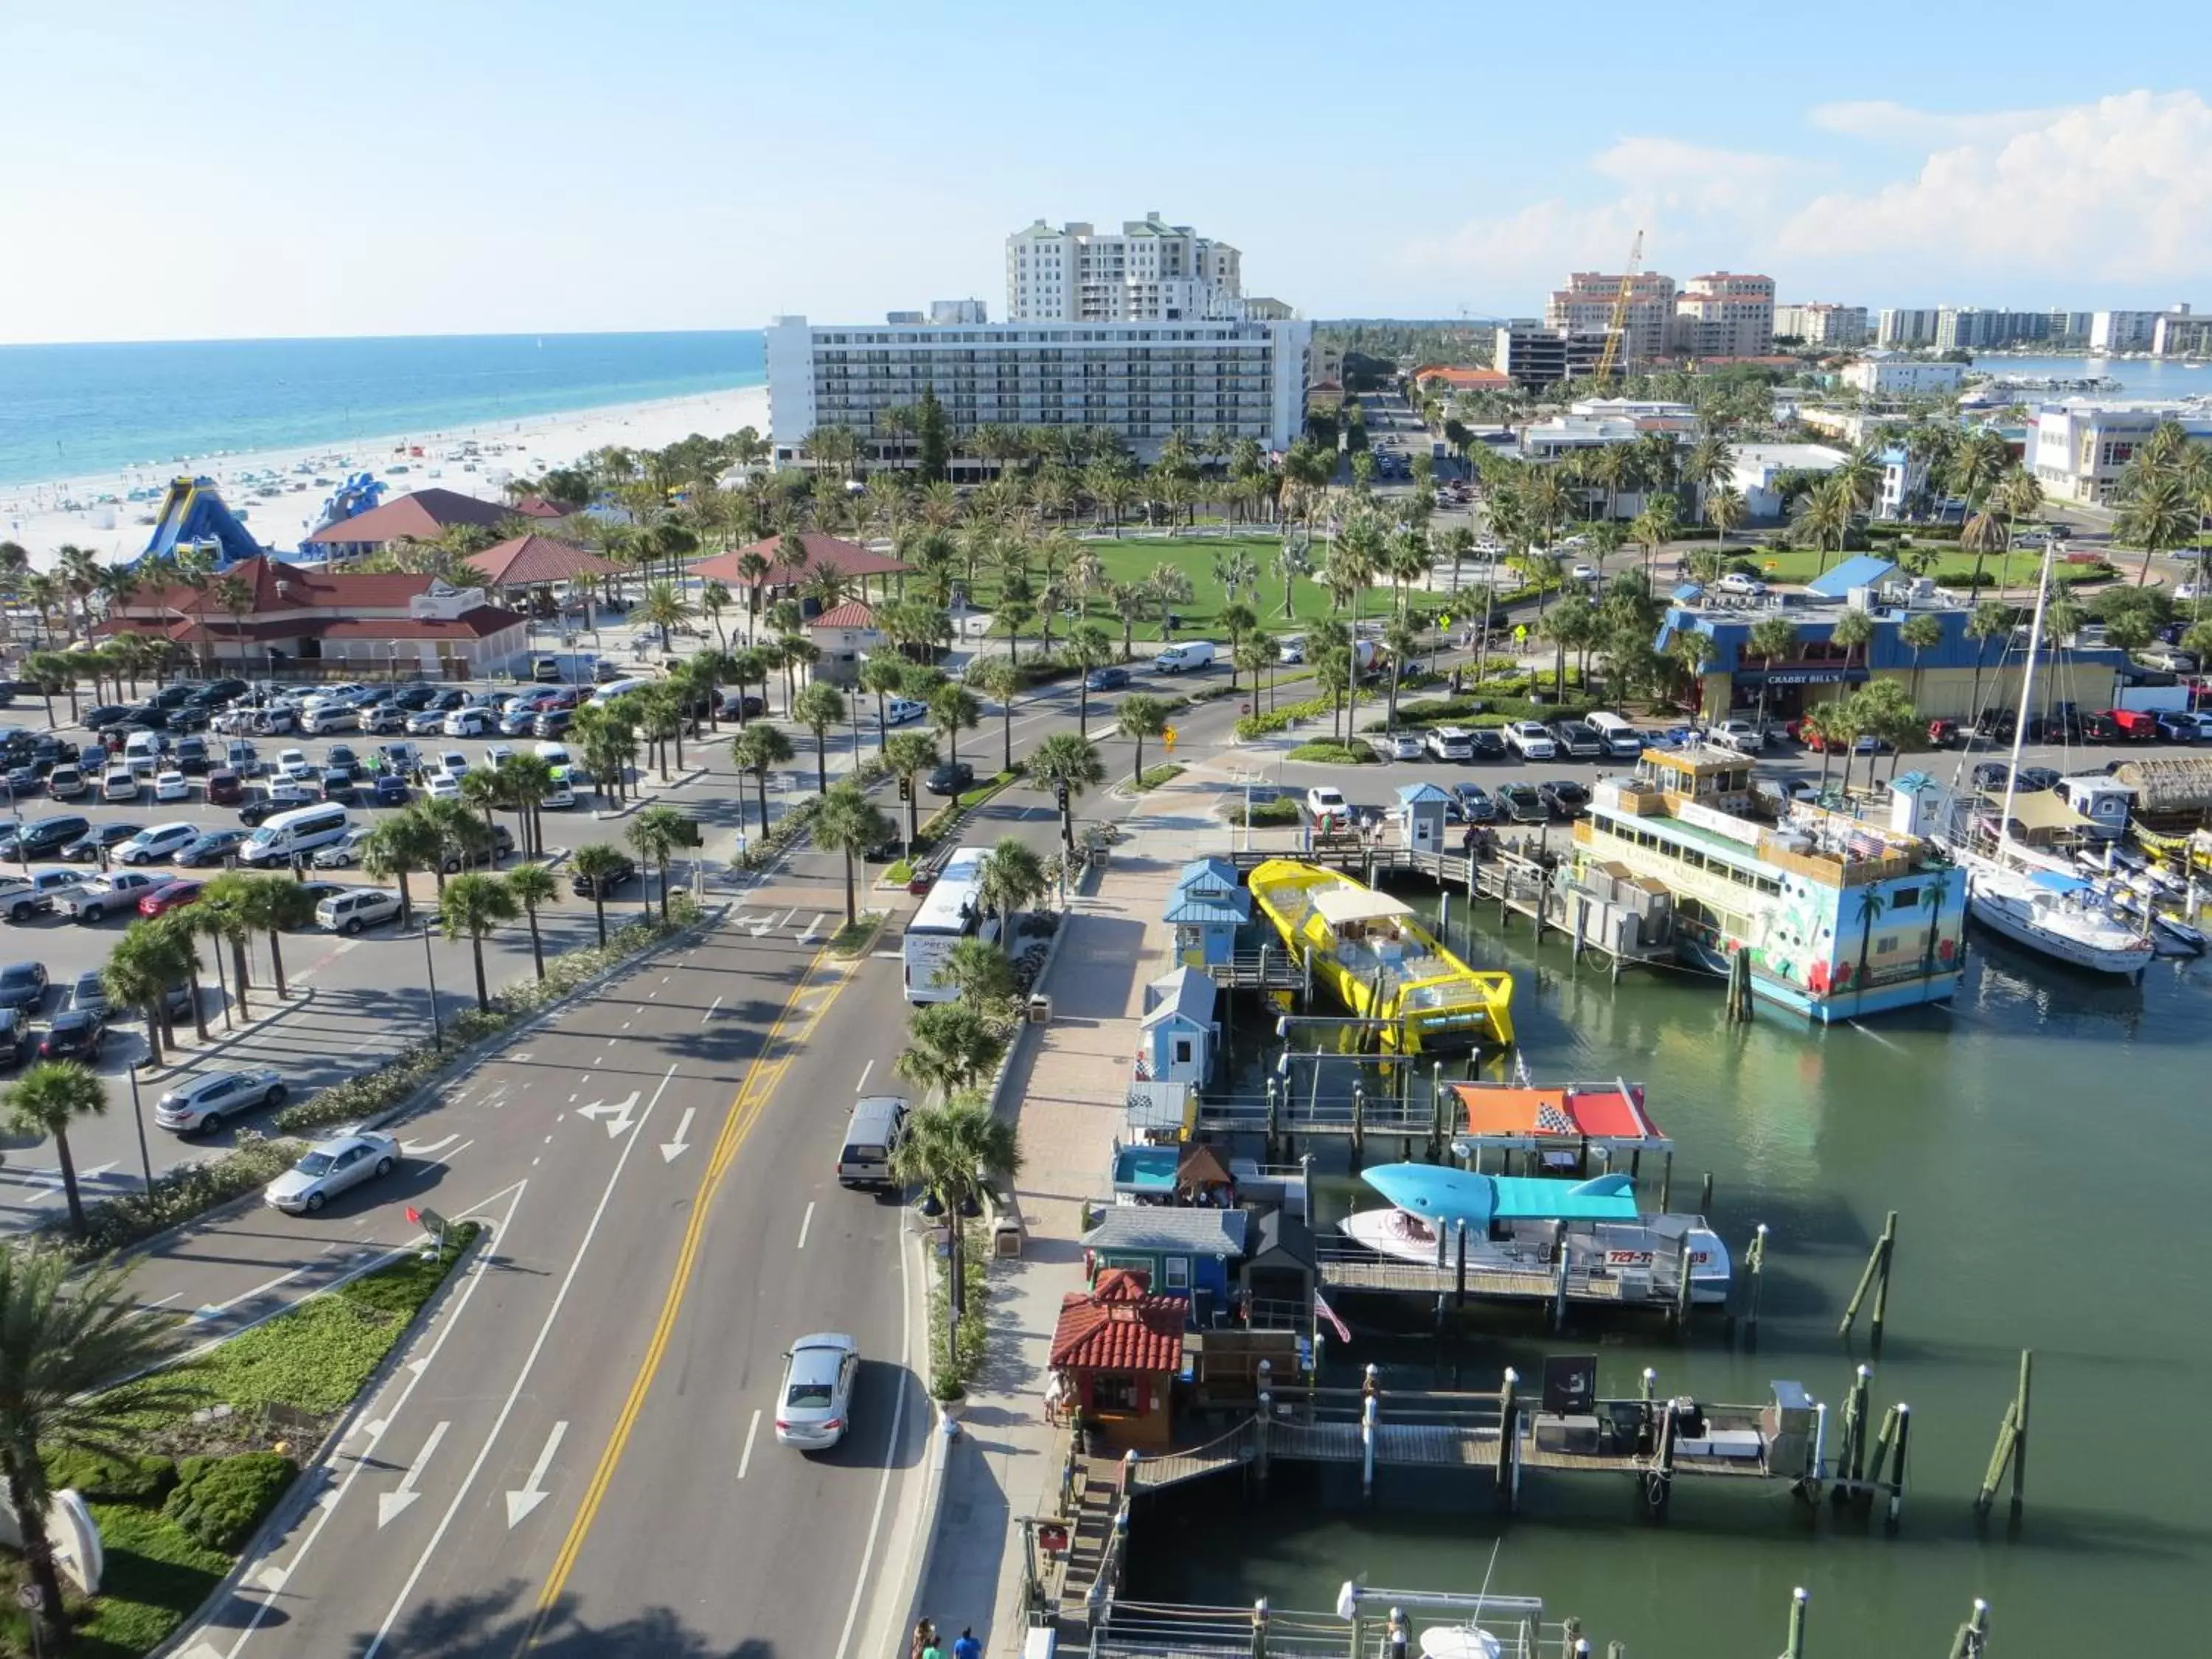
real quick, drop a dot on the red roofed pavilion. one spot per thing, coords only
(1118, 1349)
(538, 561)
(421, 515)
(847, 558)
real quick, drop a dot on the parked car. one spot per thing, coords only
(342, 853)
(23, 896)
(169, 895)
(41, 837)
(426, 723)
(101, 837)
(156, 843)
(354, 908)
(330, 1167)
(1476, 803)
(1734, 582)
(1745, 736)
(274, 798)
(97, 897)
(2168, 658)
(1402, 745)
(952, 778)
(390, 789)
(2180, 726)
(1580, 739)
(76, 1034)
(120, 783)
(23, 986)
(1524, 803)
(1485, 742)
(1532, 740)
(814, 1404)
(201, 1105)
(1449, 743)
(467, 723)
(1564, 798)
(582, 886)
(1106, 679)
(2134, 725)
(16, 1039)
(210, 846)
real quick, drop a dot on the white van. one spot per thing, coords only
(1622, 740)
(1183, 659)
(329, 717)
(300, 830)
(614, 690)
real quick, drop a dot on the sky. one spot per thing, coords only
(282, 168)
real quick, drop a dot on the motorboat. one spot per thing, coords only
(1382, 965)
(1515, 1224)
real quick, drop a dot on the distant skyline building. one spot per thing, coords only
(1724, 313)
(947, 312)
(1822, 324)
(2080, 447)
(2182, 334)
(1903, 328)
(1150, 272)
(1585, 305)
(1536, 356)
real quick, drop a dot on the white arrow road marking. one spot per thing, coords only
(813, 929)
(390, 1504)
(424, 1148)
(746, 1459)
(672, 1150)
(519, 1503)
(617, 1116)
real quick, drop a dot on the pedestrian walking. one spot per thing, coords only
(932, 1651)
(925, 1639)
(967, 1646)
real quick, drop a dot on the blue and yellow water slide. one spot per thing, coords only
(192, 514)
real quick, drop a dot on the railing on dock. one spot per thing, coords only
(1155, 1630)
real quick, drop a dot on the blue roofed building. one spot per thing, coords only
(1205, 906)
(1953, 678)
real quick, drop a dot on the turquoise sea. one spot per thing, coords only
(69, 411)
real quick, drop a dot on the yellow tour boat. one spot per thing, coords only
(1373, 952)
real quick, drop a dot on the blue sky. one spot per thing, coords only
(282, 166)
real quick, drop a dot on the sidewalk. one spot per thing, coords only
(1071, 1084)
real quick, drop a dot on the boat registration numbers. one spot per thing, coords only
(1642, 1258)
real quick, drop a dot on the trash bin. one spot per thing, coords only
(1040, 1009)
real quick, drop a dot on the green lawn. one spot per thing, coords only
(1132, 560)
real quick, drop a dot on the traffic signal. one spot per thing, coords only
(1060, 795)
(906, 787)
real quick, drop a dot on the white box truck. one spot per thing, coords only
(1190, 655)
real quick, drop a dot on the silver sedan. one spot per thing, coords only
(331, 1167)
(815, 1407)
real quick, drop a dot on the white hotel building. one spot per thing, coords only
(2080, 447)
(1144, 379)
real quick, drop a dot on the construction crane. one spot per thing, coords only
(1617, 330)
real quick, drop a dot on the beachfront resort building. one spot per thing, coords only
(2080, 447)
(1585, 306)
(1144, 380)
(1823, 323)
(1151, 272)
(311, 620)
(1724, 313)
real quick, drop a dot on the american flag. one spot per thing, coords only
(1321, 1310)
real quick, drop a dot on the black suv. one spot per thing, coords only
(582, 885)
(42, 837)
(952, 777)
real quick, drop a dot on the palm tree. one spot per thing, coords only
(400, 845)
(1771, 639)
(219, 916)
(665, 607)
(981, 977)
(952, 710)
(1089, 647)
(883, 676)
(1692, 650)
(1140, 715)
(473, 904)
(1921, 630)
(952, 1151)
(599, 864)
(1169, 585)
(65, 1335)
(951, 1046)
(1726, 509)
(183, 928)
(655, 834)
(2156, 514)
(999, 680)
(909, 754)
(758, 748)
(1067, 764)
(848, 824)
(46, 1100)
(1010, 878)
(531, 885)
(461, 838)
(271, 905)
(141, 967)
(1826, 517)
(1654, 528)
(1988, 621)
(819, 707)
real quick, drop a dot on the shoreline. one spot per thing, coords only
(47, 513)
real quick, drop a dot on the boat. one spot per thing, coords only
(2018, 896)
(1372, 952)
(1515, 1223)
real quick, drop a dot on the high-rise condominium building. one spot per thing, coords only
(1976, 328)
(1538, 356)
(1151, 272)
(1900, 329)
(1142, 379)
(1725, 313)
(1822, 324)
(1585, 305)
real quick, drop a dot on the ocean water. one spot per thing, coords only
(71, 411)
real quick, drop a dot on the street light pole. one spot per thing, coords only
(437, 1026)
(138, 1116)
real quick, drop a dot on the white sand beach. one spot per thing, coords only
(96, 513)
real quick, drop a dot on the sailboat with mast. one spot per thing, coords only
(2036, 903)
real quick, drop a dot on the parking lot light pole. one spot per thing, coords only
(437, 1026)
(138, 1116)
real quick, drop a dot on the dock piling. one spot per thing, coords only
(1260, 1426)
(1650, 1385)
(1875, 1278)
(1974, 1638)
(1799, 1599)
(1705, 1195)
(1359, 1121)
(1458, 1279)
(1559, 1290)
(1275, 1110)
(1754, 1263)
(1684, 1258)
(1259, 1629)
(1437, 1134)
(2011, 1448)
(1369, 1412)
(1895, 1515)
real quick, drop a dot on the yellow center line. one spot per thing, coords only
(746, 1108)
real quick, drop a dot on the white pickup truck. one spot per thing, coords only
(1745, 736)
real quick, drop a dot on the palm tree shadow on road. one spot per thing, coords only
(491, 1624)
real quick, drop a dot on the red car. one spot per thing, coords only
(2135, 724)
(224, 789)
(169, 895)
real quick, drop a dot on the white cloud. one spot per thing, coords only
(1695, 177)
(1878, 118)
(2118, 189)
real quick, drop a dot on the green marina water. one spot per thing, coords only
(2046, 1141)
